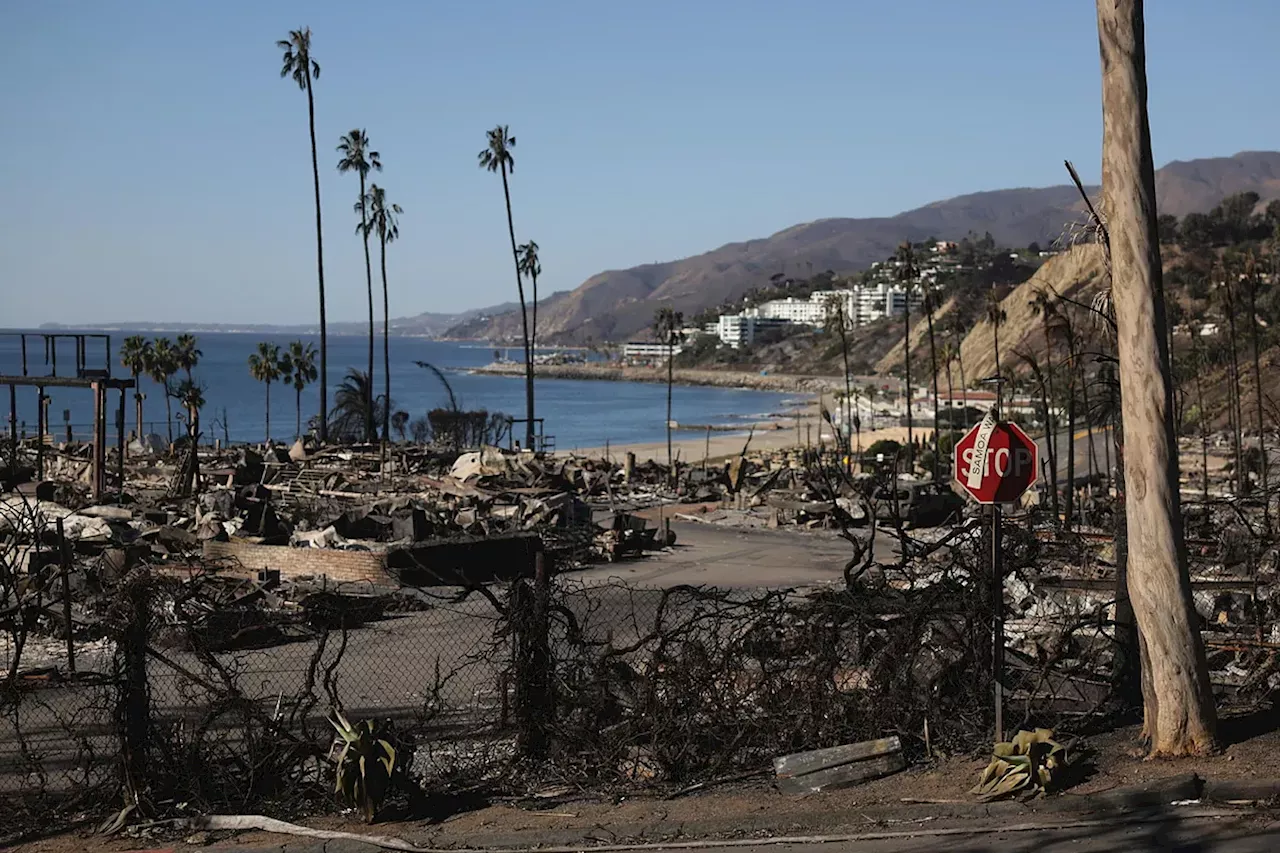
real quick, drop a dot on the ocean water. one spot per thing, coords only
(579, 413)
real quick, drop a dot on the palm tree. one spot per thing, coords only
(1226, 289)
(298, 367)
(299, 65)
(135, 356)
(957, 331)
(497, 157)
(929, 308)
(382, 220)
(996, 316)
(351, 406)
(1043, 306)
(907, 277)
(1251, 278)
(265, 366)
(400, 423)
(161, 366)
(187, 354)
(358, 158)
(191, 395)
(666, 326)
(837, 319)
(949, 352)
(530, 266)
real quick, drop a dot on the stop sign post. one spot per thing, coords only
(995, 463)
(997, 467)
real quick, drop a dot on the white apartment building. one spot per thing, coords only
(738, 330)
(880, 300)
(809, 312)
(643, 351)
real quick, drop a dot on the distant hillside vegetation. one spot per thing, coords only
(619, 304)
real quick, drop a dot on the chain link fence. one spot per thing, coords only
(209, 687)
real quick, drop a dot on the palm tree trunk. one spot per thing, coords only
(933, 360)
(1046, 400)
(386, 348)
(1237, 427)
(1204, 434)
(995, 331)
(1050, 423)
(370, 430)
(848, 390)
(168, 413)
(524, 318)
(137, 402)
(1088, 425)
(1177, 698)
(671, 471)
(951, 403)
(268, 442)
(1257, 392)
(298, 405)
(324, 330)
(964, 388)
(906, 359)
(1070, 503)
(533, 332)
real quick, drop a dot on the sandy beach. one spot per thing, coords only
(772, 435)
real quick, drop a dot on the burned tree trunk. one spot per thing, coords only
(1178, 702)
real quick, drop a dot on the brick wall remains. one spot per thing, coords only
(339, 566)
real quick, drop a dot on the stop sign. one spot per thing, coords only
(996, 462)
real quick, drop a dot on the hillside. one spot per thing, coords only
(619, 304)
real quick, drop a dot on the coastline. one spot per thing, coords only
(753, 381)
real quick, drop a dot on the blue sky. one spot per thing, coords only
(155, 167)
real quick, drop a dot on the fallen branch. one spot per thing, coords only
(280, 827)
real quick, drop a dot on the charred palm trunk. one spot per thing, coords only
(906, 360)
(323, 426)
(137, 401)
(849, 417)
(370, 428)
(1070, 503)
(386, 348)
(1237, 427)
(1051, 425)
(1257, 396)
(951, 406)
(524, 318)
(933, 362)
(671, 469)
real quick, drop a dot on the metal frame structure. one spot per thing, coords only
(98, 380)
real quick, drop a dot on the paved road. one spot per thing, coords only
(736, 559)
(1084, 466)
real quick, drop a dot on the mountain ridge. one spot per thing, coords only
(619, 304)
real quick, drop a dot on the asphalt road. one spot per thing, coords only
(1083, 464)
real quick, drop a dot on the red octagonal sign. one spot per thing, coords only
(996, 462)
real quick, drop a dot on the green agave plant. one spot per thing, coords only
(365, 766)
(1024, 766)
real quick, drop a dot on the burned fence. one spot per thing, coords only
(212, 685)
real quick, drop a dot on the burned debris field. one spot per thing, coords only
(520, 621)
